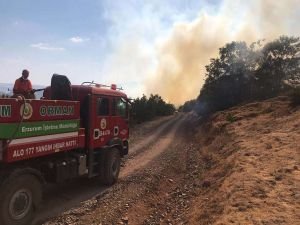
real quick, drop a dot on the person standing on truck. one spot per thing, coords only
(23, 86)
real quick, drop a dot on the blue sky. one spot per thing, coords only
(148, 46)
(80, 38)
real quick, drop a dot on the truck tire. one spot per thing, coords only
(111, 166)
(19, 198)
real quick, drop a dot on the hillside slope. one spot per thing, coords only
(241, 166)
(252, 159)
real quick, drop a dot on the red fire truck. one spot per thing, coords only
(74, 130)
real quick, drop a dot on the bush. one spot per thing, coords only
(145, 109)
(230, 118)
(243, 73)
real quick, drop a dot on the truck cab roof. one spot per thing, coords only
(79, 92)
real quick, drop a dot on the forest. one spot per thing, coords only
(244, 73)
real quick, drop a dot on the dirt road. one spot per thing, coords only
(240, 166)
(150, 144)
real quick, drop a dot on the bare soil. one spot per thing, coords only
(254, 174)
(241, 166)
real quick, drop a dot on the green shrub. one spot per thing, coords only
(230, 118)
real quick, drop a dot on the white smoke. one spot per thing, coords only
(180, 72)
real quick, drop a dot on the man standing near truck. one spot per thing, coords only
(23, 86)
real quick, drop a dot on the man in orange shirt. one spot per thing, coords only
(23, 86)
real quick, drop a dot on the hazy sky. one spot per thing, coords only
(149, 46)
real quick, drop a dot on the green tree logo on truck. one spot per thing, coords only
(26, 111)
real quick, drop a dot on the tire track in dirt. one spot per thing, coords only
(145, 157)
(141, 176)
(142, 145)
(59, 198)
(62, 197)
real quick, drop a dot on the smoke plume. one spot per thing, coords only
(180, 72)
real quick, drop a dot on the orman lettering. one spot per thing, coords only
(56, 110)
(5, 110)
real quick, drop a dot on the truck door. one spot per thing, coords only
(120, 118)
(102, 126)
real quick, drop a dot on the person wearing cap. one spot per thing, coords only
(23, 86)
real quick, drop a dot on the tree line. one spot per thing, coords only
(243, 72)
(144, 109)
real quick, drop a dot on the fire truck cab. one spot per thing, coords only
(73, 131)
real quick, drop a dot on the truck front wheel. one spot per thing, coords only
(111, 166)
(19, 197)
